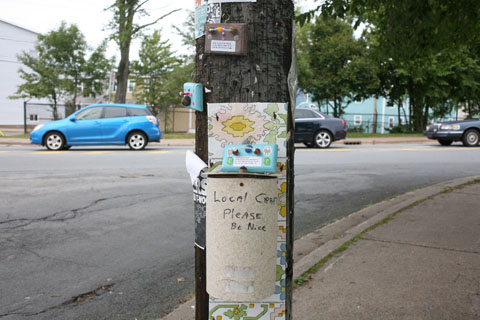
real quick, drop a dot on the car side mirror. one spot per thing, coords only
(73, 119)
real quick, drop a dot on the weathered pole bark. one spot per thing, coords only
(259, 76)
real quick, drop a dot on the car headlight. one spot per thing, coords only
(40, 126)
(450, 127)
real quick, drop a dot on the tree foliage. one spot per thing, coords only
(152, 73)
(60, 68)
(124, 29)
(333, 64)
(426, 51)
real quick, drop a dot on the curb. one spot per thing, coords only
(317, 245)
(191, 142)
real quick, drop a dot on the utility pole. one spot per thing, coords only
(262, 75)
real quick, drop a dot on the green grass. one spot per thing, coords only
(379, 135)
(17, 136)
(178, 136)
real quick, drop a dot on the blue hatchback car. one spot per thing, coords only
(100, 124)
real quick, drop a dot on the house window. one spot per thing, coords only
(131, 85)
(391, 122)
(33, 117)
(357, 120)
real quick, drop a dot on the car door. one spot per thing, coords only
(86, 127)
(305, 124)
(115, 124)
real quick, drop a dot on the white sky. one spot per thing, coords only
(89, 15)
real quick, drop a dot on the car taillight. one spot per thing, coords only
(152, 119)
(344, 122)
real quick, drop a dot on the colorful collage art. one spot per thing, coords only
(253, 123)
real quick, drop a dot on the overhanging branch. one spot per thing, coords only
(152, 23)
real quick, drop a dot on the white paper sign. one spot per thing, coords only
(247, 161)
(222, 46)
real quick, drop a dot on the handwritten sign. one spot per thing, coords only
(241, 236)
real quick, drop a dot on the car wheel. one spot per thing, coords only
(54, 141)
(445, 142)
(137, 140)
(471, 138)
(323, 139)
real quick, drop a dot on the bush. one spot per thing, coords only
(399, 129)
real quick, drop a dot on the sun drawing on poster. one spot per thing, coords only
(235, 127)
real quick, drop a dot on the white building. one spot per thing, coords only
(13, 41)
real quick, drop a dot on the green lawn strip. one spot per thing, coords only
(178, 136)
(304, 278)
(26, 136)
(379, 135)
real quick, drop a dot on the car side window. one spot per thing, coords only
(115, 112)
(137, 112)
(305, 114)
(90, 113)
(300, 114)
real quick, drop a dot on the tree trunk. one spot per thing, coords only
(399, 114)
(416, 111)
(122, 73)
(425, 117)
(54, 106)
(335, 108)
(375, 115)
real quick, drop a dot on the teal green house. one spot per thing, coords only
(359, 115)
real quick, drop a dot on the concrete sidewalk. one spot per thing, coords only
(416, 256)
(423, 263)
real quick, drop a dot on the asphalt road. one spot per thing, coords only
(108, 233)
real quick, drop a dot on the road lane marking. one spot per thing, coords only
(97, 152)
(50, 152)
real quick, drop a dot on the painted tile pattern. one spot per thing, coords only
(245, 123)
(252, 123)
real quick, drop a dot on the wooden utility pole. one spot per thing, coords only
(259, 76)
